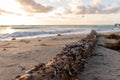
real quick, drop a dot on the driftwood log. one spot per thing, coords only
(66, 65)
(113, 45)
(112, 36)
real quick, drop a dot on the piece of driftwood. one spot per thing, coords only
(112, 36)
(66, 65)
(115, 45)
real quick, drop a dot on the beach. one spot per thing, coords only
(60, 40)
(25, 53)
(20, 55)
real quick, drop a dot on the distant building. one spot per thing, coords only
(117, 25)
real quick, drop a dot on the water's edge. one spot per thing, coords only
(32, 31)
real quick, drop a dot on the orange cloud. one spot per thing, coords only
(34, 7)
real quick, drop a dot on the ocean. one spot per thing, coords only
(8, 32)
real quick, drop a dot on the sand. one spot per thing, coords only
(18, 56)
(104, 64)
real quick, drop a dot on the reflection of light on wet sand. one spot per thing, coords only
(7, 30)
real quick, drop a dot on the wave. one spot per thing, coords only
(38, 31)
(30, 34)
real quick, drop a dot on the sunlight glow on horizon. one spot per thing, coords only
(7, 30)
(36, 12)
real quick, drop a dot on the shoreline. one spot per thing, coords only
(65, 34)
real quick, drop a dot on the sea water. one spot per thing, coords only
(29, 31)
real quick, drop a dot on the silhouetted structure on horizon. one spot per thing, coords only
(117, 25)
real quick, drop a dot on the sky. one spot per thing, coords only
(59, 12)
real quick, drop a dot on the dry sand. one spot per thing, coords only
(17, 56)
(104, 64)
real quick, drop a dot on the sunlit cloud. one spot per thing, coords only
(94, 7)
(55, 0)
(34, 7)
(59, 11)
(12, 8)
(111, 9)
(8, 12)
(2, 11)
(95, 3)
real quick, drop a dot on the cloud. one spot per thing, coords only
(95, 3)
(2, 11)
(8, 12)
(54, 0)
(94, 7)
(34, 7)
(62, 10)
(111, 9)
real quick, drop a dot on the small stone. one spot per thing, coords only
(4, 49)
(39, 40)
(13, 38)
(58, 34)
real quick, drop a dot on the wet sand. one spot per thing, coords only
(17, 56)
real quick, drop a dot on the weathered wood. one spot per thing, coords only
(112, 36)
(115, 45)
(65, 65)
